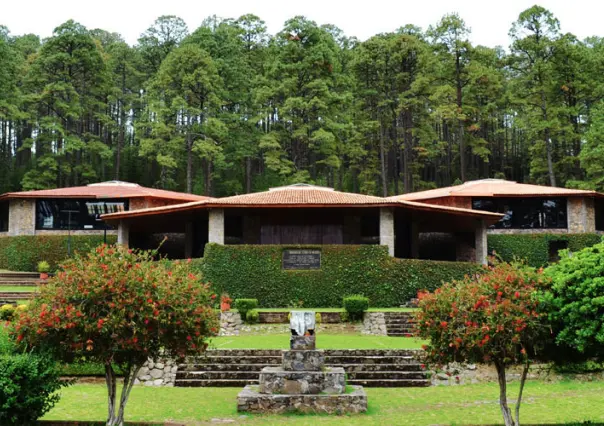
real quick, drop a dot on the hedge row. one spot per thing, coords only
(248, 271)
(534, 248)
(24, 252)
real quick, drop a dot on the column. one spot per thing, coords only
(216, 226)
(481, 242)
(387, 229)
(189, 239)
(123, 233)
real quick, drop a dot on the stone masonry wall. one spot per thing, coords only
(157, 373)
(581, 215)
(374, 323)
(22, 217)
(230, 323)
(216, 226)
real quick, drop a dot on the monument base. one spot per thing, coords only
(250, 400)
(332, 380)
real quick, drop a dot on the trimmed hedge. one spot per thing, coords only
(254, 271)
(23, 253)
(534, 248)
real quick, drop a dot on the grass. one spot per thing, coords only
(560, 402)
(17, 289)
(324, 341)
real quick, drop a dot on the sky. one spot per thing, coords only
(489, 21)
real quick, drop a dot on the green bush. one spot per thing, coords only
(6, 344)
(245, 305)
(23, 253)
(246, 271)
(355, 305)
(576, 300)
(252, 316)
(28, 388)
(534, 248)
(43, 266)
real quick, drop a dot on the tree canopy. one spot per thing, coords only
(228, 108)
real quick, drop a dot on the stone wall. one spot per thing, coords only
(22, 217)
(374, 323)
(157, 373)
(216, 226)
(230, 323)
(387, 229)
(581, 215)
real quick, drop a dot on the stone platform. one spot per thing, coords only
(332, 381)
(250, 400)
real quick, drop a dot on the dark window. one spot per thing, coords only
(525, 213)
(599, 208)
(75, 214)
(3, 217)
(233, 229)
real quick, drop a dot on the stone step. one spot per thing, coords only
(400, 326)
(13, 296)
(222, 367)
(379, 383)
(239, 360)
(358, 368)
(222, 383)
(373, 352)
(400, 321)
(328, 352)
(257, 367)
(404, 334)
(386, 375)
(331, 360)
(218, 375)
(240, 352)
(21, 283)
(19, 275)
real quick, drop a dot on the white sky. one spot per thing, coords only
(489, 21)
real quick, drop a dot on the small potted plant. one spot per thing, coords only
(43, 268)
(225, 302)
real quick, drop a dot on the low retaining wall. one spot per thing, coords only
(281, 317)
(157, 373)
(374, 323)
(230, 323)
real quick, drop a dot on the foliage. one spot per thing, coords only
(245, 305)
(492, 318)
(255, 271)
(355, 305)
(22, 253)
(534, 248)
(252, 316)
(6, 344)
(576, 298)
(229, 108)
(28, 388)
(7, 312)
(117, 307)
(43, 266)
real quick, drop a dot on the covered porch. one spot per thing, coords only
(308, 215)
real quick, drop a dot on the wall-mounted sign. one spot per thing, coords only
(301, 259)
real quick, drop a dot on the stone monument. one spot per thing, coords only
(302, 383)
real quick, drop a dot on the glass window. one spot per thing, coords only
(525, 213)
(4, 217)
(75, 214)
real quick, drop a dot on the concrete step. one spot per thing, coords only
(266, 360)
(378, 383)
(194, 383)
(218, 375)
(386, 375)
(330, 360)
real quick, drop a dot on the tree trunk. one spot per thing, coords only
(110, 380)
(129, 378)
(503, 400)
(248, 174)
(522, 382)
(548, 142)
(383, 178)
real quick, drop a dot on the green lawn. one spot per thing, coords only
(324, 341)
(562, 402)
(17, 289)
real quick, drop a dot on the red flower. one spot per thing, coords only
(444, 324)
(189, 338)
(517, 294)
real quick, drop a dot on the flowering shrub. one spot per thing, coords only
(117, 307)
(493, 317)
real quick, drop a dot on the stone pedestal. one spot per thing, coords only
(302, 383)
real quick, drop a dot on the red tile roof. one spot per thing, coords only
(301, 195)
(111, 189)
(494, 188)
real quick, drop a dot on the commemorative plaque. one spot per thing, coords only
(301, 259)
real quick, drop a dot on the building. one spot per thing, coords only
(78, 209)
(304, 214)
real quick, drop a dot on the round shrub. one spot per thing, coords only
(318, 318)
(355, 305)
(7, 312)
(28, 388)
(252, 316)
(245, 305)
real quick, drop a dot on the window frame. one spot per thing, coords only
(80, 221)
(532, 212)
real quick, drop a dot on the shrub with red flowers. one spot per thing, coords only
(118, 307)
(493, 317)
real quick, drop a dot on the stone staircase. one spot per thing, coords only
(18, 279)
(241, 367)
(399, 324)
